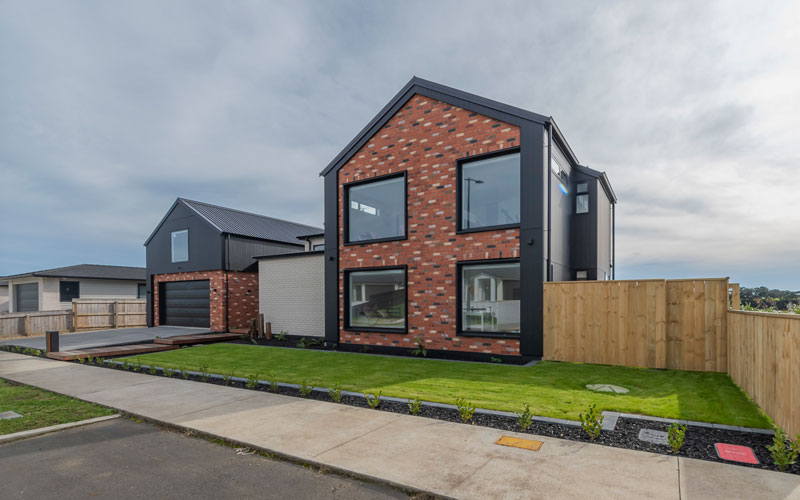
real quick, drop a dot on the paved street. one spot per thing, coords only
(101, 338)
(126, 460)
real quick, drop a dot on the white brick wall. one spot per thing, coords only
(292, 294)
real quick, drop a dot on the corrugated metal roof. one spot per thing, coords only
(89, 271)
(239, 223)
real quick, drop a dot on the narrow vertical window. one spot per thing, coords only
(582, 198)
(180, 246)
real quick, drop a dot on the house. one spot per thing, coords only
(54, 289)
(200, 266)
(444, 216)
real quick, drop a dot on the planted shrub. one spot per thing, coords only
(37, 352)
(100, 361)
(273, 382)
(675, 436)
(89, 360)
(252, 381)
(204, 372)
(335, 393)
(82, 361)
(784, 452)
(465, 410)
(226, 377)
(125, 365)
(282, 335)
(184, 372)
(420, 350)
(169, 372)
(373, 401)
(153, 370)
(137, 365)
(525, 417)
(305, 389)
(414, 406)
(591, 422)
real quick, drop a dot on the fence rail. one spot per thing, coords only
(677, 324)
(86, 314)
(764, 359)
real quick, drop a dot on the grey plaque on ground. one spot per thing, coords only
(653, 436)
(607, 388)
(8, 415)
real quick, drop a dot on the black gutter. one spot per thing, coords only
(288, 255)
(613, 240)
(227, 278)
(549, 194)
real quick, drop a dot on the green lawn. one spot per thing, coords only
(40, 408)
(552, 389)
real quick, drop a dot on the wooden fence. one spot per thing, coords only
(764, 359)
(86, 314)
(677, 324)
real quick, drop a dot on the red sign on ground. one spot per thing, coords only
(736, 453)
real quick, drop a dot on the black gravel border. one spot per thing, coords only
(699, 443)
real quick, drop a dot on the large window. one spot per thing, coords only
(68, 290)
(376, 299)
(180, 246)
(376, 210)
(489, 192)
(490, 296)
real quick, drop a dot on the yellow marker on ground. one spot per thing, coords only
(525, 444)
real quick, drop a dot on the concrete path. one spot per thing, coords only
(104, 338)
(443, 458)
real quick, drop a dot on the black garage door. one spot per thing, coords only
(184, 303)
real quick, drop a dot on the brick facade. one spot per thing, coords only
(243, 303)
(426, 138)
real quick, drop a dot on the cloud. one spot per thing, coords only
(110, 110)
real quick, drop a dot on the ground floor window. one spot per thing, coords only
(376, 299)
(68, 290)
(490, 297)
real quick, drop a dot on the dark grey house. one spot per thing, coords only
(444, 216)
(200, 266)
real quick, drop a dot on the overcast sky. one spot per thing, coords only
(111, 110)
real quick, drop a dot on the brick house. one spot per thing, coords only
(200, 266)
(444, 216)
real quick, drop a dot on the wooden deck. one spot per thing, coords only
(202, 338)
(107, 352)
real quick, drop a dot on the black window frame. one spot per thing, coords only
(587, 194)
(61, 290)
(460, 297)
(318, 247)
(459, 171)
(172, 246)
(139, 286)
(346, 208)
(347, 298)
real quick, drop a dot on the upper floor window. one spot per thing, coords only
(489, 192)
(180, 246)
(582, 198)
(68, 290)
(375, 210)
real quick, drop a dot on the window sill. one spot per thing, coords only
(487, 228)
(490, 335)
(375, 330)
(379, 240)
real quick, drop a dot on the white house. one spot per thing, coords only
(54, 289)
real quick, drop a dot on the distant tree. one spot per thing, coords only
(764, 299)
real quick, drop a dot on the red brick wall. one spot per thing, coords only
(243, 288)
(425, 138)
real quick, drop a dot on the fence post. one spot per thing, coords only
(74, 316)
(116, 314)
(736, 297)
(27, 325)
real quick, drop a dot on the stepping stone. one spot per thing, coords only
(653, 436)
(8, 415)
(607, 388)
(736, 453)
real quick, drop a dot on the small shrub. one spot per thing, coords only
(252, 381)
(420, 350)
(335, 393)
(137, 365)
(373, 401)
(37, 352)
(465, 409)
(82, 361)
(184, 372)
(169, 372)
(125, 365)
(414, 406)
(153, 370)
(89, 360)
(100, 361)
(495, 359)
(282, 335)
(204, 372)
(305, 389)
(675, 436)
(226, 377)
(27, 351)
(784, 452)
(525, 417)
(273, 382)
(591, 422)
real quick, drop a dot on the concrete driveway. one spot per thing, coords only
(104, 338)
(127, 460)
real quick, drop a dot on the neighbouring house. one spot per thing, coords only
(444, 216)
(54, 289)
(3, 296)
(201, 270)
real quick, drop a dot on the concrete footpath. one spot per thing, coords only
(443, 458)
